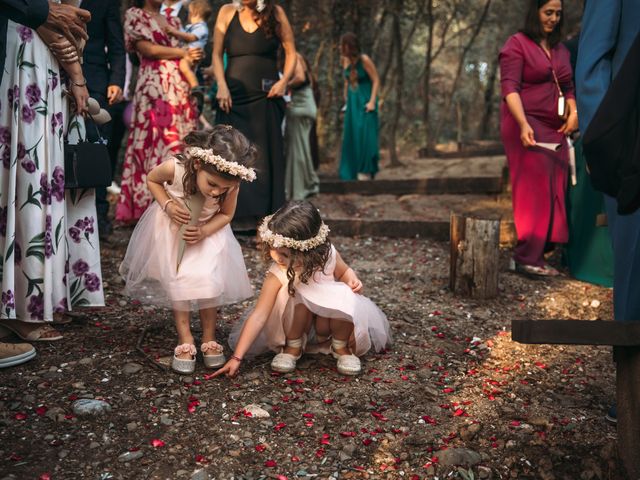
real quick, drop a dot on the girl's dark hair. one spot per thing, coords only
(299, 220)
(136, 3)
(533, 28)
(267, 18)
(350, 48)
(223, 140)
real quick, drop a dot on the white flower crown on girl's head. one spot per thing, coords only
(232, 168)
(275, 240)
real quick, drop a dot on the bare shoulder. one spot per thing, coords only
(366, 59)
(225, 14)
(280, 13)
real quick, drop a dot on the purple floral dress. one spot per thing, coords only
(49, 250)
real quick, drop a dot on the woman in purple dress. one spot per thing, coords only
(537, 88)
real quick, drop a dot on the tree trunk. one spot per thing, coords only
(473, 267)
(628, 407)
(398, 84)
(426, 90)
(485, 123)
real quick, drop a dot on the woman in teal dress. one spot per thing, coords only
(360, 152)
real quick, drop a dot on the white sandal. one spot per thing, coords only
(181, 365)
(347, 364)
(216, 358)
(285, 362)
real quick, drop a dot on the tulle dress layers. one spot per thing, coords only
(212, 272)
(326, 297)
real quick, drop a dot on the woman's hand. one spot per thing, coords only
(64, 51)
(193, 234)
(81, 97)
(278, 89)
(351, 279)
(571, 125)
(169, 30)
(224, 98)
(370, 106)
(230, 369)
(178, 213)
(526, 136)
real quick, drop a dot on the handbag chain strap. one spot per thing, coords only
(553, 72)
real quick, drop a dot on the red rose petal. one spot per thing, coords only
(295, 459)
(157, 443)
(44, 476)
(280, 426)
(270, 463)
(328, 401)
(260, 448)
(367, 441)
(20, 416)
(201, 459)
(320, 453)
(308, 415)
(348, 434)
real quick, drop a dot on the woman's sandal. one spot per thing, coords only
(181, 365)
(31, 332)
(212, 354)
(285, 362)
(347, 364)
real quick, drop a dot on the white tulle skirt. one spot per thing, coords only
(211, 273)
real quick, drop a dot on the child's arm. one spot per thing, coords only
(253, 325)
(344, 273)
(184, 36)
(155, 182)
(195, 233)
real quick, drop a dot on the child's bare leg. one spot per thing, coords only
(301, 322)
(323, 328)
(189, 74)
(208, 319)
(341, 330)
(182, 321)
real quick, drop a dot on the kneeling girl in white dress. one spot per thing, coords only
(310, 299)
(182, 251)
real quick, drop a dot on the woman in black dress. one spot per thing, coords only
(250, 95)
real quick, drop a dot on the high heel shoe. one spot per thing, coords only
(31, 332)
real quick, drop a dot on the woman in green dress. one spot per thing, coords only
(300, 179)
(360, 153)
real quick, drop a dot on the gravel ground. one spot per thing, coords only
(453, 397)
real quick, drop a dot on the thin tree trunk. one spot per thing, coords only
(485, 123)
(398, 84)
(427, 77)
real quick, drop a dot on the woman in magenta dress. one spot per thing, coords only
(536, 79)
(163, 111)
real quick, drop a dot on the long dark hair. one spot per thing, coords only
(222, 140)
(350, 48)
(533, 28)
(136, 3)
(299, 220)
(266, 19)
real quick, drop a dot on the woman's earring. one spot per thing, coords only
(260, 6)
(237, 4)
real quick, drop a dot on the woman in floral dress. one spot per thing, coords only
(49, 251)
(163, 111)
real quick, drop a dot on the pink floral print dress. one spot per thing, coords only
(163, 113)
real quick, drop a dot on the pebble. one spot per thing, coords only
(165, 420)
(131, 368)
(131, 426)
(86, 406)
(200, 475)
(85, 361)
(94, 445)
(595, 303)
(459, 456)
(129, 456)
(256, 411)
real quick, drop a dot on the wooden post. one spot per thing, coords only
(473, 267)
(628, 408)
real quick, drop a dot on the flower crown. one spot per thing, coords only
(232, 168)
(275, 240)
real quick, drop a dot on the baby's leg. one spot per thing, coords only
(189, 74)
(299, 326)
(208, 319)
(182, 319)
(342, 331)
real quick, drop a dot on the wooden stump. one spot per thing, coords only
(628, 408)
(475, 256)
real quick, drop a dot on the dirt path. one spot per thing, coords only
(453, 389)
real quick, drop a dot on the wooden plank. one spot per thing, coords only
(422, 186)
(576, 332)
(352, 227)
(628, 407)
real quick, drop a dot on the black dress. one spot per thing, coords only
(251, 62)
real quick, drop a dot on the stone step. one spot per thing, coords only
(408, 216)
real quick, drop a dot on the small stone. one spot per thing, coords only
(63, 454)
(595, 303)
(78, 385)
(86, 406)
(131, 368)
(94, 445)
(165, 420)
(459, 456)
(129, 456)
(256, 411)
(85, 361)
(200, 475)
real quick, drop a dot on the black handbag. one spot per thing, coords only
(87, 164)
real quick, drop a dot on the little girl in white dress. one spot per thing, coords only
(310, 299)
(182, 250)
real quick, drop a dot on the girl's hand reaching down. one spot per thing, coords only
(351, 279)
(230, 369)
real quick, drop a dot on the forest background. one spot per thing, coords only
(437, 60)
